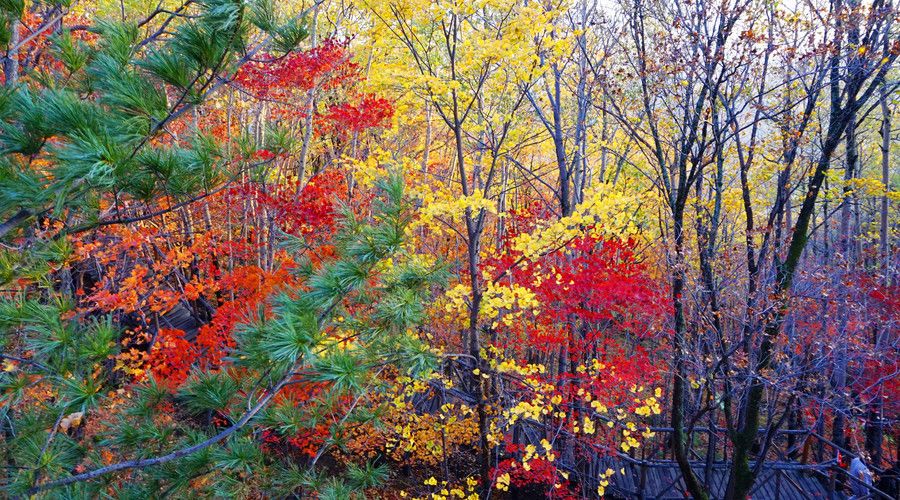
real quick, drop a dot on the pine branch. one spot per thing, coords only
(14, 221)
(163, 211)
(149, 462)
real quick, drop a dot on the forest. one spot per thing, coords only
(450, 249)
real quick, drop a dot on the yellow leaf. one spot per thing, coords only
(71, 421)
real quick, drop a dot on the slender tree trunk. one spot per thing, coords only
(309, 107)
(559, 146)
(679, 351)
(11, 63)
(874, 420)
(884, 233)
(427, 147)
(742, 476)
(839, 377)
(501, 203)
(604, 131)
(473, 250)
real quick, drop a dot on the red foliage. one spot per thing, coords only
(328, 71)
(172, 357)
(323, 67)
(369, 112)
(310, 213)
(542, 480)
(601, 283)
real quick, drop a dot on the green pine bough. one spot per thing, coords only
(373, 305)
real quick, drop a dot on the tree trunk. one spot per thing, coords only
(309, 107)
(679, 376)
(11, 63)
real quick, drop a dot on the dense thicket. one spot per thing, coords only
(446, 249)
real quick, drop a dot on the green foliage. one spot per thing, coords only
(208, 391)
(14, 7)
(94, 122)
(262, 14)
(73, 54)
(170, 66)
(91, 130)
(291, 337)
(289, 35)
(367, 476)
(352, 314)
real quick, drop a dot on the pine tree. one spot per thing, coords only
(354, 316)
(92, 133)
(95, 130)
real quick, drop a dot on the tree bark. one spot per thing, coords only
(11, 63)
